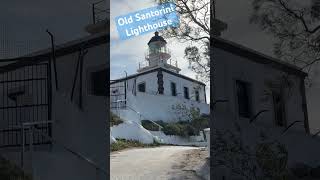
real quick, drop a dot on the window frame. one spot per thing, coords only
(173, 93)
(197, 95)
(186, 93)
(90, 86)
(145, 86)
(249, 96)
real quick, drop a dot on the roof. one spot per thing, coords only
(154, 70)
(156, 37)
(60, 50)
(257, 56)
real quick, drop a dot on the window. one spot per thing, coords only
(279, 109)
(98, 82)
(173, 89)
(186, 92)
(197, 95)
(142, 87)
(244, 105)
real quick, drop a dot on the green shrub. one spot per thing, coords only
(125, 144)
(200, 123)
(115, 120)
(149, 125)
(180, 128)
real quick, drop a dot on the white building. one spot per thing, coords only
(53, 117)
(257, 88)
(156, 88)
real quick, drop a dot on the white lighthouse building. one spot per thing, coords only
(156, 88)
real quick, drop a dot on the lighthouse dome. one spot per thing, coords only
(157, 38)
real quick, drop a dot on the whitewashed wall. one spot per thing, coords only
(229, 68)
(153, 106)
(83, 131)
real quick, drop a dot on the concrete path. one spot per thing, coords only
(165, 162)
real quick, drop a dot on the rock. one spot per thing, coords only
(315, 172)
(300, 170)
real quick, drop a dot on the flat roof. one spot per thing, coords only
(60, 50)
(256, 56)
(154, 70)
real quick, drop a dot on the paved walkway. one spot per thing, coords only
(165, 162)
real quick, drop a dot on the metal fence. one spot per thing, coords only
(25, 96)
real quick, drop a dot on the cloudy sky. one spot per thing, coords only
(126, 54)
(24, 23)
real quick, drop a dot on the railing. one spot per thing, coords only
(139, 114)
(171, 62)
(152, 52)
(99, 11)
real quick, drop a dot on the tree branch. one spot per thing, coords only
(299, 17)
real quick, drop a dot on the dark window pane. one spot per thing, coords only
(142, 87)
(186, 92)
(98, 83)
(243, 99)
(173, 89)
(197, 96)
(278, 109)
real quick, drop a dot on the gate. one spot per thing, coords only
(25, 96)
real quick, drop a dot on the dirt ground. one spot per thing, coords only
(165, 162)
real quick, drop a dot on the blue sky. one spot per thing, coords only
(126, 54)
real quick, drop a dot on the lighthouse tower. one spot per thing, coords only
(158, 55)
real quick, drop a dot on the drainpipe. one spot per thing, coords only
(125, 89)
(54, 59)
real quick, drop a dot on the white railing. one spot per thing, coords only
(170, 61)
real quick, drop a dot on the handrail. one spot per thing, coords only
(79, 155)
(145, 117)
(140, 115)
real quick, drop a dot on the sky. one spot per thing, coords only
(126, 54)
(24, 23)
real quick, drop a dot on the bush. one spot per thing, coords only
(125, 144)
(149, 125)
(115, 120)
(180, 128)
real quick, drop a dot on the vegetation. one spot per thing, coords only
(115, 120)
(295, 27)
(194, 29)
(267, 159)
(180, 128)
(10, 171)
(150, 125)
(125, 144)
